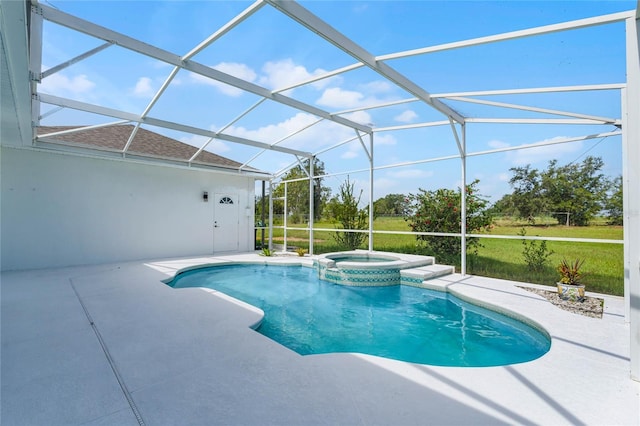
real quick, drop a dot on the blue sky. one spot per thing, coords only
(272, 51)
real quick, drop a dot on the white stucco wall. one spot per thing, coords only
(60, 210)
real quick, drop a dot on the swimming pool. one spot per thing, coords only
(311, 316)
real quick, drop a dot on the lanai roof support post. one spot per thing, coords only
(270, 215)
(463, 202)
(462, 149)
(35, 61)
(371, 191)
(262, 213)
(286, 216)
(631, 188)
(312, 182)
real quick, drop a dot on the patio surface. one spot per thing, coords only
(113, 345)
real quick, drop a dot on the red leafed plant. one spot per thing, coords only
(570, 271)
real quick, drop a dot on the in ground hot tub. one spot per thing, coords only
(365, 268)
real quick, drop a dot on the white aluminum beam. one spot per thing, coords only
(66, 148)
(35, 59)
(547, 29)
(460, 145)
(126, 42)
(222, 136)
(546, 143)
(582, 88)
(371, 180)
(83, 106)
(311, 205)
(320, 77)
(251, 108)
(225, 28)
(249, 161)
(364, 147)
(133, 134)
(82, 129)
(388, 166)
(381, 105)
(631, 187)
(160, 91)
(215, 36)
(335, 146)
(412, 126)
(15, 40)
(463, 197)
(50, 112)
(605, 120)
(72, 61)
(413, 163)
(536, 121)
(324, 30)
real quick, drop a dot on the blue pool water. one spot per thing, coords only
(311, 316)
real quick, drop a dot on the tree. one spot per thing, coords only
(439, 211)
(578, 189)
(345, 211)
(527, 197)
(298, 192)
(613, 202)
(391, 204)
(505, 206)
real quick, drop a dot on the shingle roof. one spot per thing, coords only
(146, 143)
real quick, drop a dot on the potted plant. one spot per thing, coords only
(569, 286)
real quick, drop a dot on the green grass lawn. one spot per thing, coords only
(501, 258)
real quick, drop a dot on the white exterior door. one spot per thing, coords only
(226, 223)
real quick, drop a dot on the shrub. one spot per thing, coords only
(346, 212)
(535, 253)
(439, 211)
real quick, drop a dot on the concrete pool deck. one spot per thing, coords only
(113, 345)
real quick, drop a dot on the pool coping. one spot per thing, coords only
(189, 356)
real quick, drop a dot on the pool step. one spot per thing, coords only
(416, 276)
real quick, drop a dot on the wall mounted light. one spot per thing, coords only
(205, 196)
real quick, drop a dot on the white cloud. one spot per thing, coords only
(362, 117)
(241, 71)
(335, 97)
(496, 144)
(406, 117)
(315, 138)
(60, 84)
(386, 139)
(274, 75)
(348, 155)
(284, 73)
(143, 88)
(378, 86)
(274, 132)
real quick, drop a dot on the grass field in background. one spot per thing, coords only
(501, 258)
